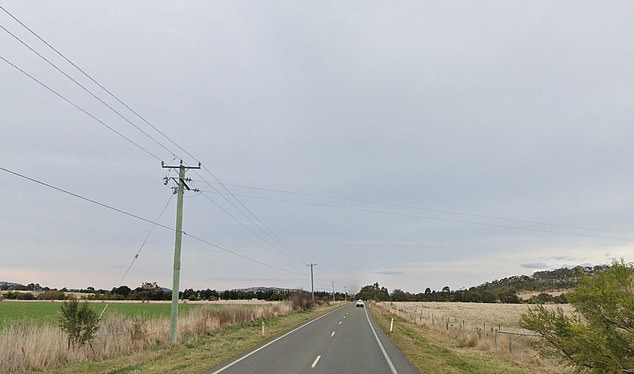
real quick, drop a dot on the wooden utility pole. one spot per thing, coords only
(312, 281)
(179, 189)
(333, 291)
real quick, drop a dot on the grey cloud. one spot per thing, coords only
(488, 109)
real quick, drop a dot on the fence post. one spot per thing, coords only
(495, 339)
(510, 344)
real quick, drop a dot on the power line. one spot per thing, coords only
(136, 256)
(425, 209)
(156, 223)
(137, 253)
(275, 237)
(80, 108)
(85, 198)
(271, 232)
(251, 230)
(241, 255)
(84, 88)
(383, 212)
(95, 81)
(268, 231)
(116, 132)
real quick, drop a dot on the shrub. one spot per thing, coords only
(302, 301)
(599, 336)
(51, 295)
(79, 321)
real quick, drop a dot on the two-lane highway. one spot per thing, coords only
(346, 340)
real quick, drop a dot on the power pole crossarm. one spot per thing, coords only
(177, 245)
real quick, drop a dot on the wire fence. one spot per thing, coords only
(468, 327)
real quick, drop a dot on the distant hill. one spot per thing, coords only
(541, 281)
(10, 285)
(549, 286)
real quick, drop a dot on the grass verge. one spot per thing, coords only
(195, 355)
(432, 351)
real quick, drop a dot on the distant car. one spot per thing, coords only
(360, 303)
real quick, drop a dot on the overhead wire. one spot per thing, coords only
(383, 212)
(79, 108)
(94, 81)
(241, 255)
(136, 256)
(249, 229)
(270, 232)
(275, 237)
(387, 204)
(156, 223)
(82, 87)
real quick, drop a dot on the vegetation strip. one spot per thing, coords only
(195, 355)
(432, 351)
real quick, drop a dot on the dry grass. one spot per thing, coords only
(43, 347)
(525, 295)
(485, 328)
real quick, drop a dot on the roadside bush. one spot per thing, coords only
(51, 295)
(599, 336)
(302, 301)
(28, 296)
(79, 322)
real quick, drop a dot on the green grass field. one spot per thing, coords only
(12, 312)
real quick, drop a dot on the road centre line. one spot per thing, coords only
(271, 342)
(387, 358)
(333, 334)
(315, 362)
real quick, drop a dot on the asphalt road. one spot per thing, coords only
(346, 340)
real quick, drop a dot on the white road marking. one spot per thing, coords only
(340, 322)
(269, 343)
(333, 334)
(387, 358)
(315, 362)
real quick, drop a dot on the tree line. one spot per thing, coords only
(498, 291)
(152, 291)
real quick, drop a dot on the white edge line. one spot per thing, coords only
(333, 334)
(271, 342)
(387, 358)
(315, 362)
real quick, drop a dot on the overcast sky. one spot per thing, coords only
(485, 139)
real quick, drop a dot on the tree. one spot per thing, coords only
(373, 292)
(79, 321)
(400, 295)
(122, 290)
(599, 335)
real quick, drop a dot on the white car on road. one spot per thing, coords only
(360, 303)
